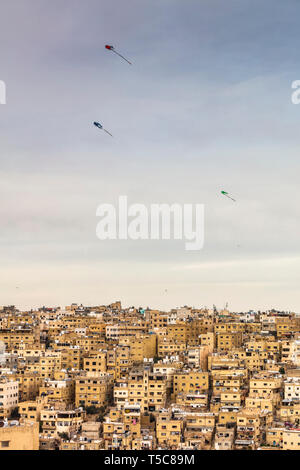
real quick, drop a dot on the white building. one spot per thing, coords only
(9, 396)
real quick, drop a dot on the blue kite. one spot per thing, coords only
(97, 124)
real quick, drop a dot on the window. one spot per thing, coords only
(5, 444)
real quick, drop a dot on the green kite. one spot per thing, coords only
(227, 195)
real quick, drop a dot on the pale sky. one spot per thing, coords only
(205, 106)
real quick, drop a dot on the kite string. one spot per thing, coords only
(122, 56)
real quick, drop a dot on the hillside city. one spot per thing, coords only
(114, 378)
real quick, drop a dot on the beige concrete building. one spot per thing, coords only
(22, 437)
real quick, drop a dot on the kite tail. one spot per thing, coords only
(230, 197)
(108, 132)
(122, 57)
